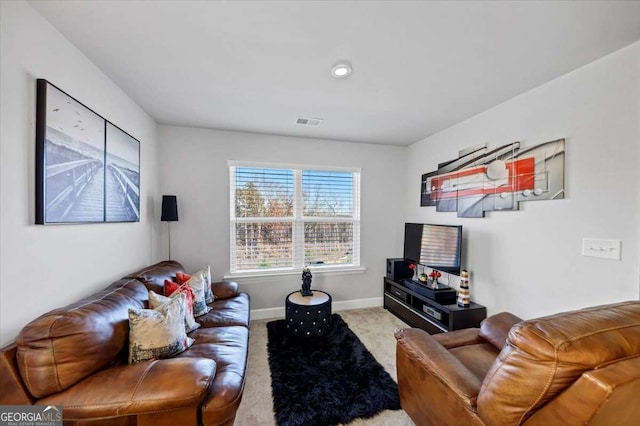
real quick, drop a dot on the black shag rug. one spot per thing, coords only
(326, 380)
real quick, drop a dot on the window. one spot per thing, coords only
(283, 218)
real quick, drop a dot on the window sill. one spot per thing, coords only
(255, 276)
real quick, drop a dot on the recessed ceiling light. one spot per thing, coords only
(341, 71)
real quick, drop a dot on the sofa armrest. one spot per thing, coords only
(224, 289)
(495, 329)
(12, 388)
(457, 338)
(137, 389)
(434, 386)
(437, 361)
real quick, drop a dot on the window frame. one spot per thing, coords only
(297, 220)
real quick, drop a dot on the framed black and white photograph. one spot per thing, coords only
(122, 180)
(87, 169)
(70, 152)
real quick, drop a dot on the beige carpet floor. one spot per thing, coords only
(373, 326)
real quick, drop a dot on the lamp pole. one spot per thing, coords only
(169, 231)
(169, 214)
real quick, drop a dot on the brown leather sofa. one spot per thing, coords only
(573, 368)
(76, 357)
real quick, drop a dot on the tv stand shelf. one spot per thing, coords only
(419, 311)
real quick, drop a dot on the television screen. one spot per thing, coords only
(435, 246)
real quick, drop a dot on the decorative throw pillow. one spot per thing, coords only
(182, 278)
(155, 300)
(170, 287)
(199, 305)
(158, 333)
(205, 274)
(198, 285)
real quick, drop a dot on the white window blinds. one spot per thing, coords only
(286, 218)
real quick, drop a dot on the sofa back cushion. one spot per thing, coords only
(542, 357)
(64, 346)
(153, 276)
(599, 397)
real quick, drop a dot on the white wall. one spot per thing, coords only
(529, 262)
(194, 167)
(43, 267)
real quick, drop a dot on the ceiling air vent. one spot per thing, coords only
(306, 121)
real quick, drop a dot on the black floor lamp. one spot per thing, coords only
(169, 213)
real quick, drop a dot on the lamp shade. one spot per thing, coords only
(169, 208)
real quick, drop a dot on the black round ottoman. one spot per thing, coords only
(308, 316)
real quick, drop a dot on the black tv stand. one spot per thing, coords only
(438, 286)
(406, 300)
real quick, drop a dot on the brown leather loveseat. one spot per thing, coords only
(76, 357)
(573, 368)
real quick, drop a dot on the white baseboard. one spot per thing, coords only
(267, 313)
(343, 305)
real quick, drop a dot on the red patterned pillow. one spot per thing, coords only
(170, 287)
(182, 278)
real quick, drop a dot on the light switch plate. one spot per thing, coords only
(602, 248)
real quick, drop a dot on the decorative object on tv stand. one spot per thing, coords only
(434, 278)
(423, 276)
(414, 269)
(87, 169)
(169, 213)
(480, 180)
(464, 298)
(306, 282)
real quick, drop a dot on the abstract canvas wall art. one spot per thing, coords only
(482, 180)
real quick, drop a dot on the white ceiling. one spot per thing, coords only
(418, 67)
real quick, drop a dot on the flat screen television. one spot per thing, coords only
(435, 246)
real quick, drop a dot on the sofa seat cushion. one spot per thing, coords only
(227, 312)
(228, 346)
(145, 387)
(477, 358)
(66, 345)
(473, 351)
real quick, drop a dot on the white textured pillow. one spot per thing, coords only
(198, 284)
(156, 300)
(158, 333)
(205, 274)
